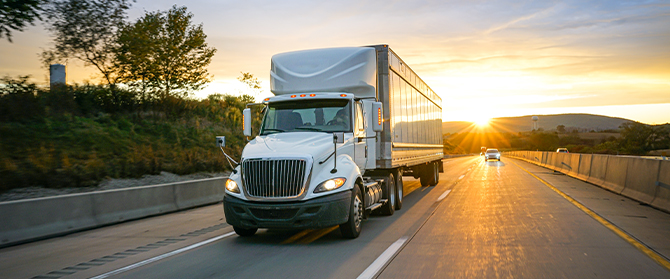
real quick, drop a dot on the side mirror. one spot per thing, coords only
(338, 137)
(377, 117)
(221, 141)
(246, 123)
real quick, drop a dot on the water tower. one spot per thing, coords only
(535, 124)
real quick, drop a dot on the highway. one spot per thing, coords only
(495, 219)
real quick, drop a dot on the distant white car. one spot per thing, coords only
(492, 153)
(562, 150)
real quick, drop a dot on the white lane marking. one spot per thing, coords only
(444, 195)
(377, 265)
(461, 177)
(158, 258)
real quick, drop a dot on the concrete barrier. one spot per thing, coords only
(598, 169)
(584, 169)
(575, 161)
(27, 220)
(564, 163)
(551, 158)
(615, 177)
(662, 198)
(641, 178)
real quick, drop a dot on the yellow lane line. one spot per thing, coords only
(296, 236)
(643, 248)
(317, 234)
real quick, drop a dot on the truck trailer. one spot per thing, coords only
(343, 127)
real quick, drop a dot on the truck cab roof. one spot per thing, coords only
(344, 69)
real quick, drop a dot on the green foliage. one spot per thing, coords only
(77, 135)
(560, 129)
(16, 14)
(19, 100)
(86, 30)
(164, 55)
(638, 138)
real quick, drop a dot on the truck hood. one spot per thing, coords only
(310, 144)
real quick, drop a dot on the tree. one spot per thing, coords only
(86, 30)
(16, 14)
(162, 52)
(560, 129)
(252, 82)
(635, 137)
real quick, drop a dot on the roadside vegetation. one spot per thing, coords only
(632, 138)
(140, 119)
(78, 135)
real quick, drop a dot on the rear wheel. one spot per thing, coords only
(389, 194)
(244, 232)
(399, 190)
(352, 228)
(436, 174)
(428, 175)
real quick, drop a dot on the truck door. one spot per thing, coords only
(360, 143)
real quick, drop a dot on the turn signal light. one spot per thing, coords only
(343, 95)
(379, 116)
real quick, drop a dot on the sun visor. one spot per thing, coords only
(350, 69)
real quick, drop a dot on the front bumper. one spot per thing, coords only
(321, 212)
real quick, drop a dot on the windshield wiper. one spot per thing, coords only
(309, 128)
(272, 130)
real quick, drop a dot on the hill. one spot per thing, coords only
(586, 122)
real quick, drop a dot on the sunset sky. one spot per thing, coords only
(484, 58)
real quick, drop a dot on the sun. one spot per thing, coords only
(482, 121)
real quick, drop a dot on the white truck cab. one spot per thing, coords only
(318, 158)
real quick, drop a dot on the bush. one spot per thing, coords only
(77, 135)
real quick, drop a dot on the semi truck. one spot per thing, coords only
(342, 129)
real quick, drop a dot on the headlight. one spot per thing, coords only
(231, 186)
(330, 185)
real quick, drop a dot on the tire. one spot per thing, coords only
(436, 174)
(352, 228)
(244, 232)
(390, 194)
(399, 190)
(428, 175)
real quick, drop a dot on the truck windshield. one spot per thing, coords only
(307, 115)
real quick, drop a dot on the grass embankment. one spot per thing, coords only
(45, 143)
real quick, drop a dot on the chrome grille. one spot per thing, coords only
(274, 178)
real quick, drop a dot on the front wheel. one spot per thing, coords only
(244, 232)
(352, 228)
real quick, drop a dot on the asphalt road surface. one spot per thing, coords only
(495, 219)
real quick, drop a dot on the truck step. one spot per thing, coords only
(374, 206)
(371, 184)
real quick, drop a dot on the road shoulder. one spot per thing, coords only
(648, 225)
